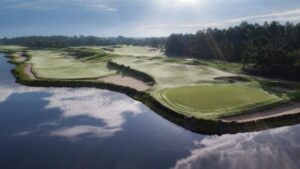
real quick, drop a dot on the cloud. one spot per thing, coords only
(77, 131)
(6, 91)
(281, 16)
(95, 5)
(276, 149)
(105, 8)
(33, 5)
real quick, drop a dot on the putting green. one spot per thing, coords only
(214, 101)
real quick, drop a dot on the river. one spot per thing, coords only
(87, 128)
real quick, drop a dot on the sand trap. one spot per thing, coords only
(285, 109)
(28, 71)
(126, 81)
(20, 57)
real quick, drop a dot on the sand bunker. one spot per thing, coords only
(126, 81)
(28, 71)
(285, 109)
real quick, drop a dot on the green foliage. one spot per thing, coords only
(264, 59)
(126, 70)
(67, 41)
(19, 73)
(83, 52)
(270, 49)
(296, 95)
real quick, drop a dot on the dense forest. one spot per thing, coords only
(65, 41)
(271, 49)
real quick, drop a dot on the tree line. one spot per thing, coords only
(66, 41)
(271, 49)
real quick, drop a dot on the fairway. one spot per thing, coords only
(54, 64)
(137, 51)
(214, 101)
(127, 50)
(170, 73)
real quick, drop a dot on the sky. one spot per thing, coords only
(136, 18)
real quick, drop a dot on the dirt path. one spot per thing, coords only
(126, 81)
(285, 109)
(28, 71)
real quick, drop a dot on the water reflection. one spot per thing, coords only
(276, 149)
(107, 107)
(98, 104)
(82, 128)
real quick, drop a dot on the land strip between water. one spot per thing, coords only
(139, 90)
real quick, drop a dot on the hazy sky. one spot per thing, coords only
(136, 18)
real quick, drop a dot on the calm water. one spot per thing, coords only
(86, 128)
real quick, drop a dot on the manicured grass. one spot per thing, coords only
(172, 73)
(11, 48)
(214, 101)
(226, 66)
(55, 64)
(125, 50)
(137, 51)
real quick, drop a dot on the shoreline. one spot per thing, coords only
(202, 126)
(276, 111)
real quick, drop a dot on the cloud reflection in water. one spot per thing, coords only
(99, 104)
(276, 149)
(105, 106)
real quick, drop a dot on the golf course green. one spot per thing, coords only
(214, 101)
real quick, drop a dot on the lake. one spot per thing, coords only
(64, 128)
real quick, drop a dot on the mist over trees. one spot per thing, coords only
(271, 49)
(66, 41)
